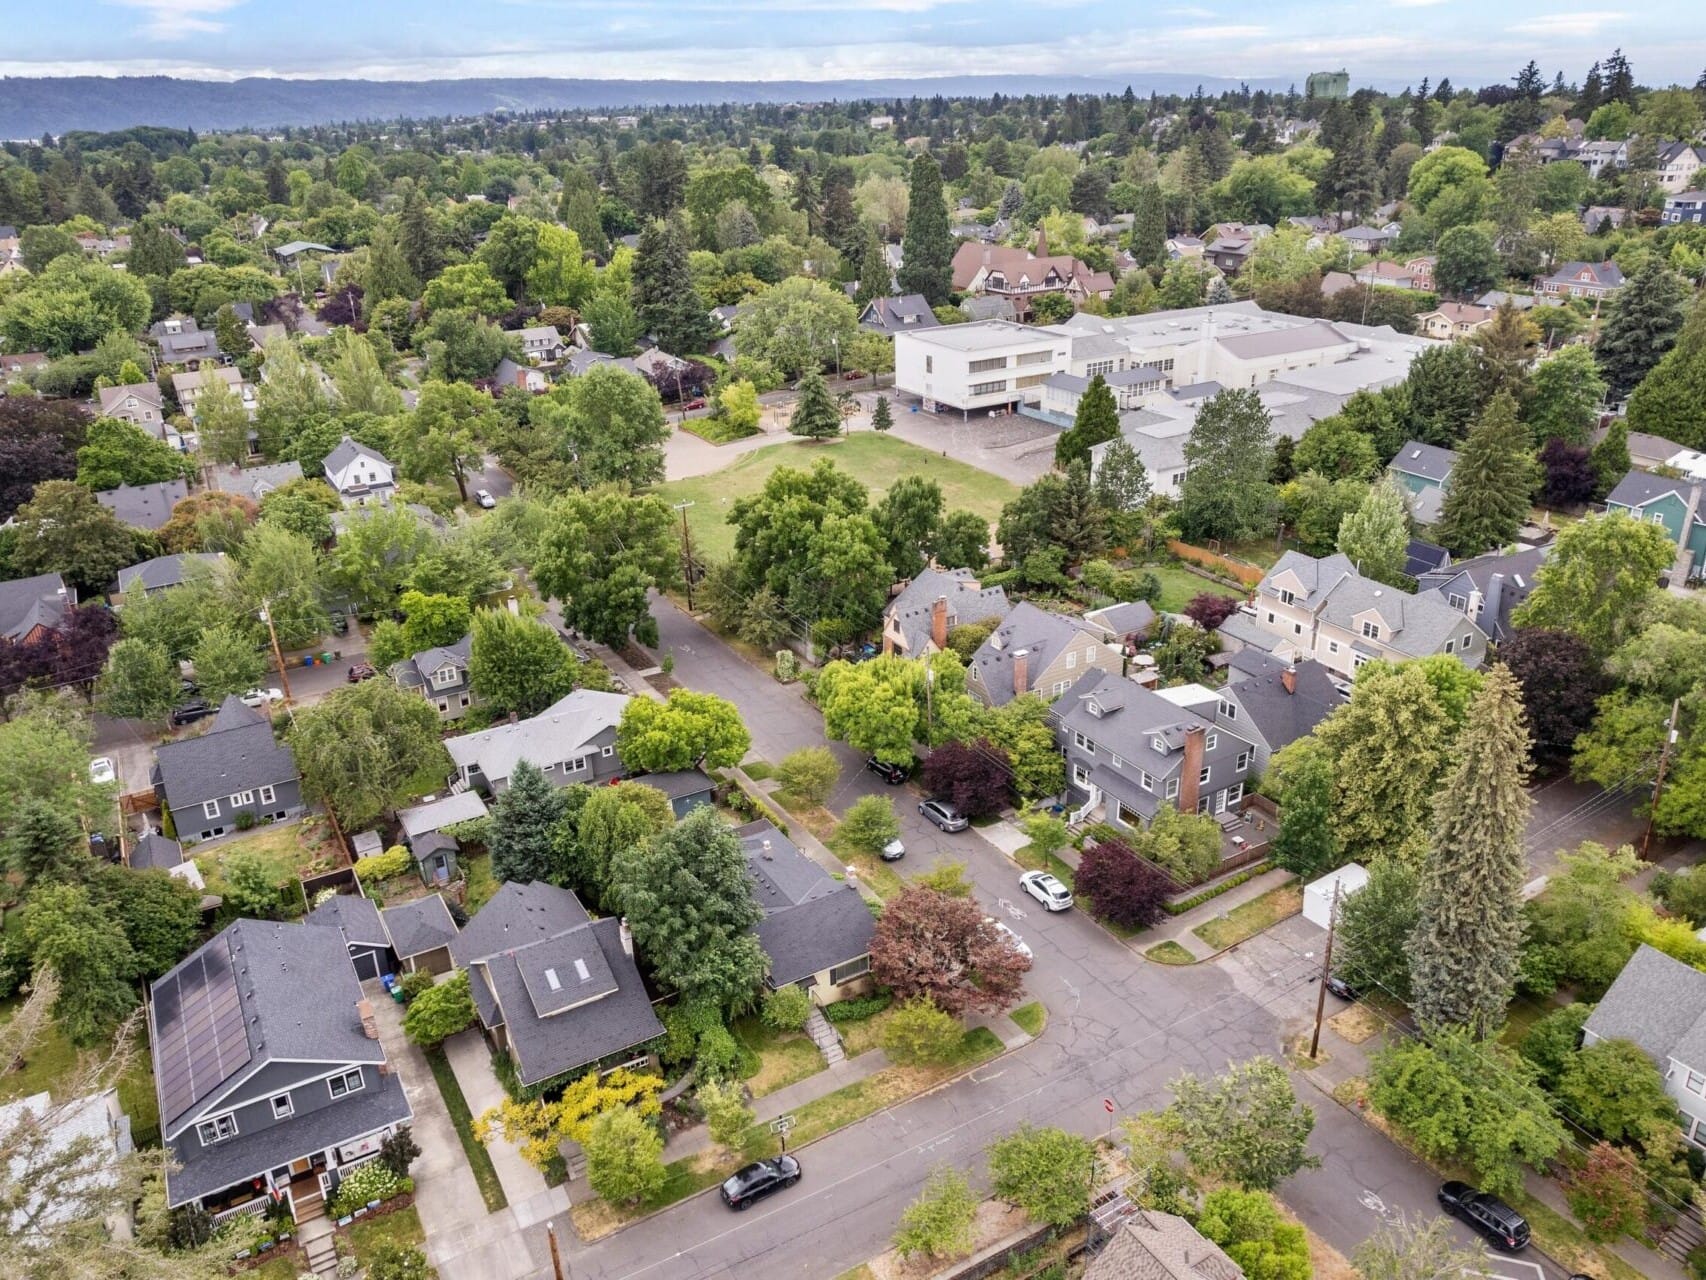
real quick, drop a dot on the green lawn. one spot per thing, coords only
(482, 888)
(776, 1058)
(1032, 1018)
(1250, 919)
(1169, 952)
(401, 1228)
(875, 460)
(479, 1159)
(1178, 586)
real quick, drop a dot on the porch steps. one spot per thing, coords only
(318, 1247)
(825, 1037)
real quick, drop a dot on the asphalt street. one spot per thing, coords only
(1119, 1030)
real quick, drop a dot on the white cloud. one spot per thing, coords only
(1415, 4)
(175, 19)
(1586, 23)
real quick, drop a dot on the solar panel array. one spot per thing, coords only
(198, 1023)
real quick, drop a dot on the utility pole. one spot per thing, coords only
(277, 653)
(686, 552)
(556, 1258)
(1326, 972)
(1659, 780)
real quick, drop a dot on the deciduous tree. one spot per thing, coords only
(1046, 1172)
(1376, 535)
(941, 1222)
(359, 748)
(1121, 887)
(440, 1011)
(140, 682)
(940, 948)
(689, 730)
(1593, 583)
(974, 777)
(1245, 1125)
(600, 556)
(517, 664)
(1226, 492)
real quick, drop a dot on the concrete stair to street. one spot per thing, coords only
(825, 1037)
(318, 1246)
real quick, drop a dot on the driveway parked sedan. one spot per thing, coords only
(758, 1180)
(101, 770)
(1047, 890)
(944, 815)
(261, 697)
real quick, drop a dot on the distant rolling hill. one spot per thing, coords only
(32, 106)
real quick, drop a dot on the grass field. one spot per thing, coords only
(1178, 586)
(778, 1058)
(1250, 919)
(876, 461)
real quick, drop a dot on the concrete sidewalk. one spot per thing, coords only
(1178, 928)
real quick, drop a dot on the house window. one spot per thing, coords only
(1103, 367)
(347, 1083)
(1058, 688)
(281, 1108)
(1270, 617)
(1116, 761)
(1145, 781)
(1211, 742)
(1457, 602)
(1657, 519)
(1158, 746)
(1357, 659)
(268, 795)
(607, 752)
(1082, 743)
(1228, 710)
(1371, 630)
(219, 1129)
(465, 704)
(1465, 639)
(1287, 597)
(1202, 778)
(1071, 659)
(1079, 777)
(1332, 646)
(849, 971)
(446, 675)
(1234, 793)
(1172, 788)
(1243, 761)
(1450, 646)
(575, 765)
(242, 798)
(210, 808)
(1696, 1083)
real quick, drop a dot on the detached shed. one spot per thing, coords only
(1318, 894)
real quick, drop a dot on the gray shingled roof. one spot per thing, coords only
(1509, 577)
(906, 311)
(1417, 625)
(237, 753)
(28, 603)
(144, 506)
(164, 571)
(446, 811)
(1660, 1004)
(555, 734)
(1258, 687)
(1040, 634)
(355, 915)
(967, 602)
(153, 851)
(812, 922)
(254, 482)
(1132, 717)
(419, 925)
(1317, 575)
(347, 451)
(679, 783)
(1151, 1245)
(1428, 461)
(1122, 620)
(518, 915)
(412, 672)
(1638, 488)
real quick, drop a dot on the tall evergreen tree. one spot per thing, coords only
(815, 415)
(665, 300)
(1097, 421)
(1610, 458)
(1149, 227)
(840, 214)
(1619, 79)
(1226, 493)
(1644, 319)
(1487, 495)
(875, 278)
(1668, 401)
(418, 237)
(1593, 90)
(523, 837)
(927, 251)
(1464, 952)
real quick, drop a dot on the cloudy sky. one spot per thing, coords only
(1390, 42)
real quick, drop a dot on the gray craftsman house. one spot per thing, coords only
(440, 676)
(206, 784)
(1034, 651)
(1487, 589)
(1272, 703)
(573, 740)
(918, 620)
(555, 989)
(816, 929)
(270, 1076)
(1660, 1004)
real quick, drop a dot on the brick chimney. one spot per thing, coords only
(1288, 678)
(1021, 672)
(939, 622)
(1191, 770)
(369, 1024)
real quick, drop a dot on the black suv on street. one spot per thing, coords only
(893, 774)
(759, 1179)
(1503, 1227)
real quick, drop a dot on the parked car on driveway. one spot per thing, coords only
(893, 851)
(189, 712)
(101, 770)
(1047, 890)
(944, 815)
(485, 499)
(1344, 990)
(893, 774)
(1502, 1226)
(261, 697)
(360, 671)
(759, 1179)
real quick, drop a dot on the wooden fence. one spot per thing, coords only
(1238, 570)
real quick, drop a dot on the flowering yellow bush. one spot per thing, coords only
(540, 1126)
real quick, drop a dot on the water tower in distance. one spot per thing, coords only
(1328, 85)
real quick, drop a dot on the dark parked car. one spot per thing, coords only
(360, 671)
(340, 623)
(693, 404)
(944, 815)
(190, 712)
(893, 774)
(1503, 1227)
(759, 1179)
(1344, 990)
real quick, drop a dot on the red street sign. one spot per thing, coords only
(1108, 1105)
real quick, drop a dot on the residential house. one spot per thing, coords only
(555, 989)
(425, 833)
(1582, 280)
(1673, 503)
(582, 360)
(1487, 589)
(1368, 239)
(1660, 1005)
(360, 475)
(440, 675)
(816, 928)
(364, 934)
(542, 344)
(1421, 471)
(1325, 610)
(1678, 166)
(63, 1162)
(1272, 703)
(144, 506)
(164, 572)
(1604, 216)
(1152, 1245)
(1424, 557)
(1036, 652)
(1022, 276)
(16, 366)
(685, 789)
(182, 341)
(573, 740)
(139, 403)
(1496, 298)
(153, 851)
(659, 366)
(1603, 154)
(271, 1080)
(190, 385)
(421, 931)
(889, 315)
(1646, 452)
(1392, 275)
(253, 483)
(1455, 320)
(102, 246)
(1129, 750)
(30, 608)
(1121, 623)
(1229, 253)
(206, 783)
(918, 620)
(521, 376)
(1184, 247)
(1685, 206)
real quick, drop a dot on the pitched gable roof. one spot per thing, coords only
(1638, 488)
(1257, 686)
(144, 506)
(1151, 1245)
(419, 925)
(812, 922)
(968, 601)
(1429, 461)
(165, 571)
(28, 603)
(555, 734)
(347, 451)
(1040, 635)
(237, 753)
(1660, 1004)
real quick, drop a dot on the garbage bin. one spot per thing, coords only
(307, 659)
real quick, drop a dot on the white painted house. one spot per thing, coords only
(362, 476)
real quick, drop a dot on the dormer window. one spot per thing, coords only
(1287, 597)
(446, 675)
(1370, 630)
(1228, 710)
(1159, 744)
(216, 1130)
